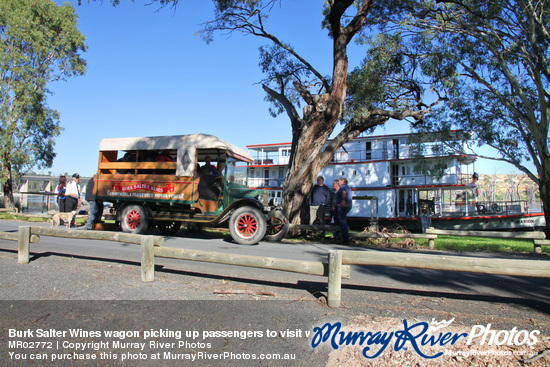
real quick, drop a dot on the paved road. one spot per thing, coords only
(86, 272)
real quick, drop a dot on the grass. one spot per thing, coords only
(445, 243)
(34, 218)
(25, 218)
(481, 244)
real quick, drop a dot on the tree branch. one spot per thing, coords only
(295, 119)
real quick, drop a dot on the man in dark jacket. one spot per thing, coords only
(320, 198)
(96, 206)
(343, 206)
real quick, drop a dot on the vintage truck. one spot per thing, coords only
(165, 181)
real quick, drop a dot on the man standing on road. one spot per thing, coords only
(343, 206)
(96, 206)
(72, 193)
(320, 198)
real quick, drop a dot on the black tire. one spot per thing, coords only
(168, 228)
(134, 219)
(277, 233)
(247, 225)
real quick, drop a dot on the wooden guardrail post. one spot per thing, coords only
(538, 245)
(334, 278)
(23, 244)
(147, 259)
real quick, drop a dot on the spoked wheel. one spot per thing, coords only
(134, 219)
(247, 225)
(277, 227)
(168, 228)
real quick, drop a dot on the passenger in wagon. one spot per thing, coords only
(208, 168)
(164, 156)
(128, 157)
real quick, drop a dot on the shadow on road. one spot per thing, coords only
(528, 290)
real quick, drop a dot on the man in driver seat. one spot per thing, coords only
(208, 168)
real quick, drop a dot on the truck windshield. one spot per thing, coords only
(236, 171)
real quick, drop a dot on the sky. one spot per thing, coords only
(150, 74)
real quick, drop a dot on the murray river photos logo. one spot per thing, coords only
(418, 336)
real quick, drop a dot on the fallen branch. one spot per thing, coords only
(240, 291)
(539, 356)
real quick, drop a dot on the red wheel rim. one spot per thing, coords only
(247, 225)
(274, 230)
(133, 219)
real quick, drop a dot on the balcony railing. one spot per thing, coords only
(266, 182)
(345, 156)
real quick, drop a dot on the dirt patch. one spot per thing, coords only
(458, 354)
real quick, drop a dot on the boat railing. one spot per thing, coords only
(268, 158)
(461, 208)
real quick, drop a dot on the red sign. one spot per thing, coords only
(168, 188)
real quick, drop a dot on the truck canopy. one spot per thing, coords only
(186, 146)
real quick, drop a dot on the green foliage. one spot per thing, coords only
(39, 43)
(399, 73)
(492, 58)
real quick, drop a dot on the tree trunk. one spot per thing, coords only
(320, 116)
(8, 185)
(544, 190)
(306, 163)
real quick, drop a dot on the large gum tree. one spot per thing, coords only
(383, 86)
(39, 44)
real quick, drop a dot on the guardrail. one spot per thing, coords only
(26, 234)
(152, 247)
(339, 258)
(537, 237)
(338, 265)
(149, 252)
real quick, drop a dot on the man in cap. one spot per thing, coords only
(73, 194)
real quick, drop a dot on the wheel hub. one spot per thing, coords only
(247, 225)
(133, 219)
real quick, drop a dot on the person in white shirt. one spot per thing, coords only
(73, 194)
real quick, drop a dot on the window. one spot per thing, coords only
(395, 148)
(384, 149)
(368, 148)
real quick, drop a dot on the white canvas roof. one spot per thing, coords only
(186, 146)
(197, 141)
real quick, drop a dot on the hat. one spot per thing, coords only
(76, 175)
